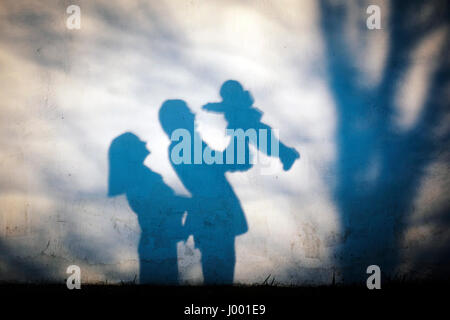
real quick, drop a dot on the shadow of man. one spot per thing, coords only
(215, 217)
(158, 209)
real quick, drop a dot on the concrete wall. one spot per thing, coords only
(367, 110)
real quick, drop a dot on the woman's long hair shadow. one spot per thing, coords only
(158, 209)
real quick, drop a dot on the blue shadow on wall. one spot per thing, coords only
(214, 213)
(379, 168)
(239, 112)
(216, 216)
(158, 209)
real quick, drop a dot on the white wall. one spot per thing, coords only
(67, 93)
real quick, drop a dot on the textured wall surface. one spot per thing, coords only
(367, 110)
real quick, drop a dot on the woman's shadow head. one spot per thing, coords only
(126, 156)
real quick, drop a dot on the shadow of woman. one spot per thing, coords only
(158, 209)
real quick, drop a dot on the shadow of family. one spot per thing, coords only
(213, 214)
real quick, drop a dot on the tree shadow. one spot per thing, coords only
(373, 208)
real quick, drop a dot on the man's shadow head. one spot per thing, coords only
(175, 114)
(126, 154)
